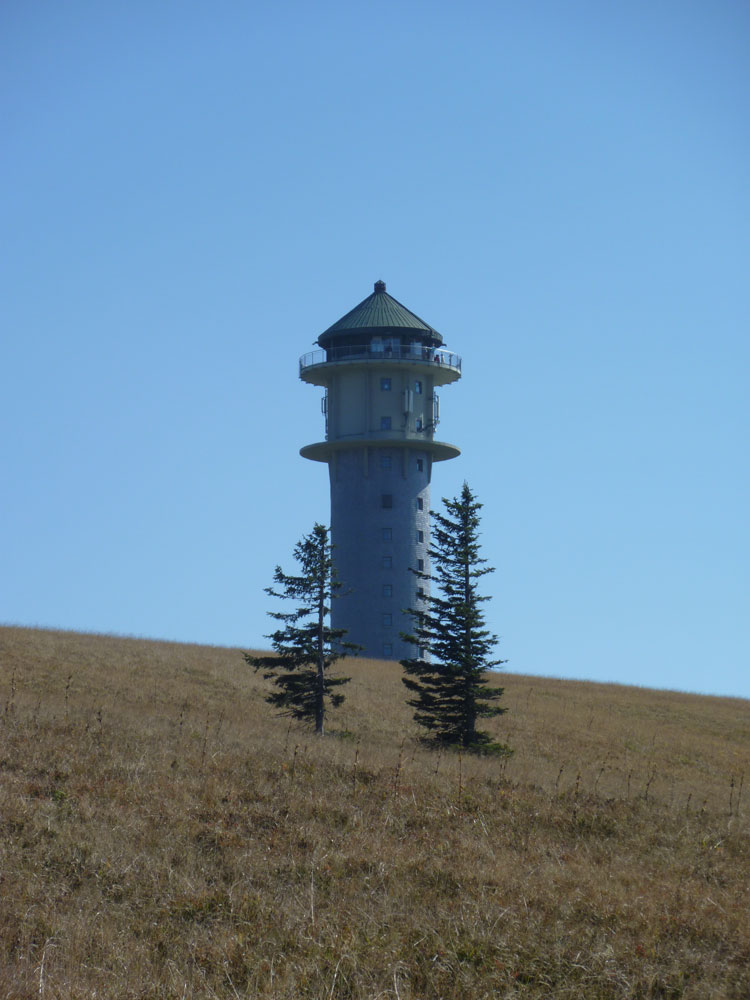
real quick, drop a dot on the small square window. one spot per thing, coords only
(387, 649)
(420, 503)
(385, 423)
(386, 500)
(387, 533)
(387, 619)
(420, 536)
(385, 384)
(387, 590)
(420, 565)
(418, 387)
(420, 465)
(385, 461)
(387, 562)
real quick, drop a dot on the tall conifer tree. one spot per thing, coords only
(305, 646)
(448, 678)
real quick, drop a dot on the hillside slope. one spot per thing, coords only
(163, 834)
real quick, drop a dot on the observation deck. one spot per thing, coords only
(444, 366)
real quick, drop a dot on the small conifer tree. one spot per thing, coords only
(304, 644)
(448, 680)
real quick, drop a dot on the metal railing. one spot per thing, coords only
(366, 352)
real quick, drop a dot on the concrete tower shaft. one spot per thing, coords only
(380, 366)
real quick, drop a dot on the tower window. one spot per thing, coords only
(420, 565)
(420, 465)
(387, 562)
(387, 533)
(385, 423)
(386, 500)
(387, 619)
(420, 503)
(420, 593)
(387, 590)
(385, 384)
(419, 423)
(420, 536)
(418, 387)
(387, 649)
(385, 461)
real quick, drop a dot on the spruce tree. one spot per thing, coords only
(304, 644)
(448, 678)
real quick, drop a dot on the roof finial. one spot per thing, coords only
(379, 286)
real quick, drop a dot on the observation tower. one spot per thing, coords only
(380, 366)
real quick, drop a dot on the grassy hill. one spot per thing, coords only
(162, 834)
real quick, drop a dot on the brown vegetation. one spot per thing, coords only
(162, 834)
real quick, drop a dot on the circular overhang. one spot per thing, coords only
(321, 451)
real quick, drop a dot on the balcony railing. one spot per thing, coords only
(366, 352)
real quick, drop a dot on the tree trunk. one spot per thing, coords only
(470, 716)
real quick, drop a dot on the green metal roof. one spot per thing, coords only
(379, 312)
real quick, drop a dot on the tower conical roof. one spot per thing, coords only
(379, 312)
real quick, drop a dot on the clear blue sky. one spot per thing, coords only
(191, 192)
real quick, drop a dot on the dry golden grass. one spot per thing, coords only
(163, 835)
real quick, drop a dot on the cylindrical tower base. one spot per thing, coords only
(380, 510)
